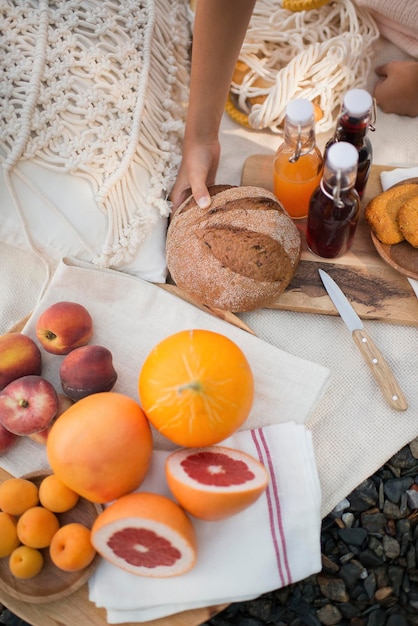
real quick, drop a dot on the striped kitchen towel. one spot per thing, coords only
(273, 543)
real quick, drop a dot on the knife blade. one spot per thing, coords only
(372, 355)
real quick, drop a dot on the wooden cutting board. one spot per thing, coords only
(376, 290)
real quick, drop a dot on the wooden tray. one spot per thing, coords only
(376, 290)
(51, 583)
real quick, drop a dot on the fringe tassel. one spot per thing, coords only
(139, 48)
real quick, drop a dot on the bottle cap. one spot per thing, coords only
(342, 156)
(300, 111)
(357, 102)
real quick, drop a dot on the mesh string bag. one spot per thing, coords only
(96, 89)
(315, 51)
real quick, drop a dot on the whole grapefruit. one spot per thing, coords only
(196, 387)
(101, 446)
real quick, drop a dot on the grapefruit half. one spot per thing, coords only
(215, 482)
(196, 387)
(146, 534)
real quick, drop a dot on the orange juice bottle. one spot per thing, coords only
(298, 162)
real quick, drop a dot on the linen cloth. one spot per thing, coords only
(131, 316)
(269, 545)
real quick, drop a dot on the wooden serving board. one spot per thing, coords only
(376, 290)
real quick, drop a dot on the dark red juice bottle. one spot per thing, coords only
(353, 123)
(335, 205)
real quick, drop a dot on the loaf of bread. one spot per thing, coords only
(240, 254)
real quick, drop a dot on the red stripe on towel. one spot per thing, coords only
(274, 507)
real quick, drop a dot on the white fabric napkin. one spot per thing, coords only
(273, 543)
(391, 177)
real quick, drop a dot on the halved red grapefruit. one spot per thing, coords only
(215, 482)
(146, 534)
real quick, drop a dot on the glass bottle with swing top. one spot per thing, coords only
(355, 119)
(298, 162)
(334, 207)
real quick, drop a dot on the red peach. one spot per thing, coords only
(64, 326)
(87, 370)
(7, 439)
(28, 405)
(64, 403)
(19, 356)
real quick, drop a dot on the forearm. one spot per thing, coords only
(220, 27)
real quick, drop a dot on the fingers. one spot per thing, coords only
(382, 71)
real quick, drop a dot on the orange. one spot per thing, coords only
(56, 496)
(101, 446)
(25, 562)
(36, 527)
(196, 387)
(71, 548)
(146, 534)
(17, 495)
(215, 482)
(8, 534)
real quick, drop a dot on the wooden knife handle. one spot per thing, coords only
(380, 370)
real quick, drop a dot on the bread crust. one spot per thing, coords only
(239, 254)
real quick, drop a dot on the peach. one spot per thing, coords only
(8, 534)
(87, 370)
(71, 548)
(7, 439)
(19, 356)
(64, 326)
(25, 562)
(28, 405)
(64, 403)
(36, 527)
(17, 495)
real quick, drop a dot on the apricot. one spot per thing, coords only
(64, 326)
(19, 356)
(25, 562)
(71, 548)
(17, 495)
(8, 534)
(56, 496)
(87, 370)
(37, 526)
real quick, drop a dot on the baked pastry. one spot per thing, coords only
(382, 212)
(408, 220)
(239, 254)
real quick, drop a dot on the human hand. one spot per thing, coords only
(197, 170)
(396, 91)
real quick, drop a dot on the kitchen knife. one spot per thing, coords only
(374, 359)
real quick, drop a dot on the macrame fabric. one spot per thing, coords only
(316, 54)
(96, 89)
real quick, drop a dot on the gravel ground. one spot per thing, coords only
(369, 556)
